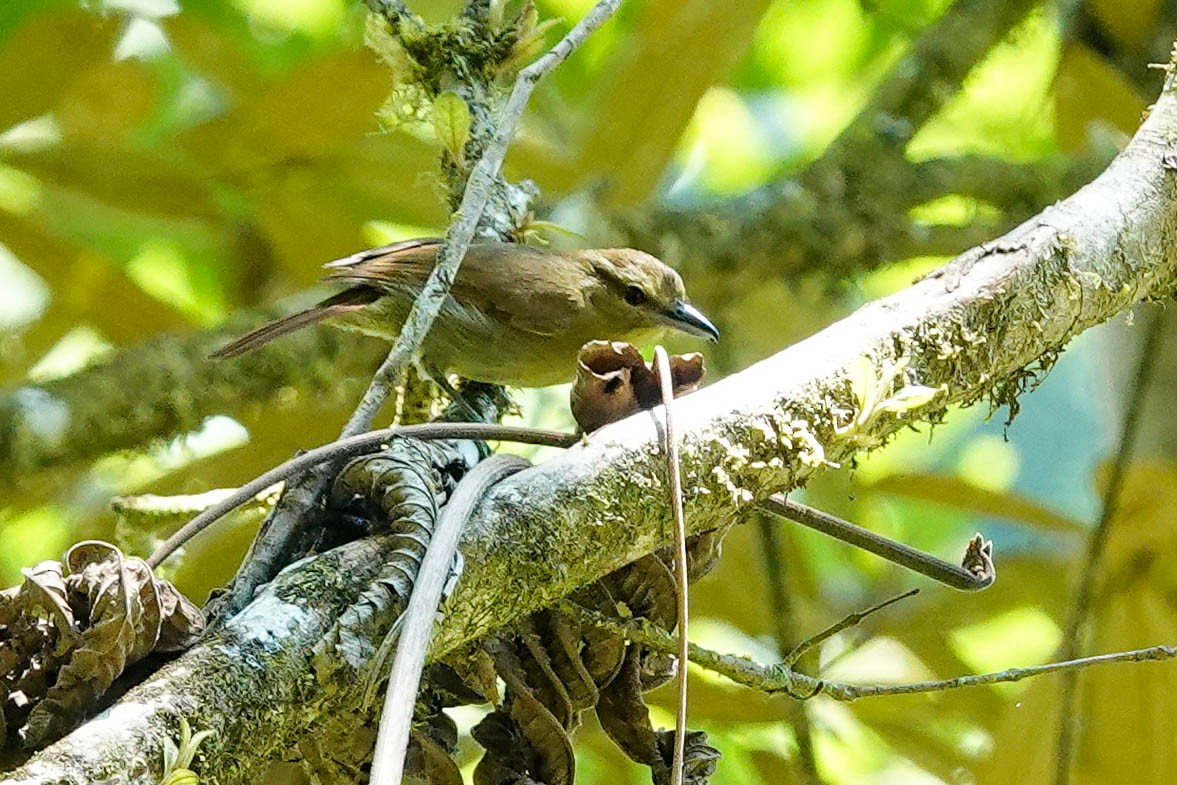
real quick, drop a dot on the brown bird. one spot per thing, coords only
(516, 315)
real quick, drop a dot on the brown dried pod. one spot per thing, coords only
(613, 381)
(700, 759)
(77, 628)
(625, 718)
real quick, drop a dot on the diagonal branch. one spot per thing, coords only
(273, 546)
(971, 328)
(787, 229)
(460, 233)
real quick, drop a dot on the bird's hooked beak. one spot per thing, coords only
(683, 316)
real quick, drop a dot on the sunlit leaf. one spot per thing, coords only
(678, 49)
(951, 491)
(84, 286)
(40, 61)
(451, 122)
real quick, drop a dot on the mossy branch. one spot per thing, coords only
(970, 328)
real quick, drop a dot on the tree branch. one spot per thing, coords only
(847, 211)
(69, 421)
(782, 678)
(788, 229)
(460, 233)
(971, 328)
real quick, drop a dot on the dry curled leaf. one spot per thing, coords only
(555, 666)
(76, 625)
(397, 491)
(613, 381)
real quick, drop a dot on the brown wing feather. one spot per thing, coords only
(344, 302)
(424, 247)
(530, 289)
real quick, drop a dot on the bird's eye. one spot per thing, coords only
(634, 295)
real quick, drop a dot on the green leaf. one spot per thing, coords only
(138, 181)
(107, 102)
(677, 50)
(954, 492)
(40, 61)
(451, 123)
(213, 53)
(312, 112)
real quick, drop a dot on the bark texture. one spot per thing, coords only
(971, 329)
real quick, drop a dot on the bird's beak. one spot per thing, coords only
(686, 317)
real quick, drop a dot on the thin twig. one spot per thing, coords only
(741, 670)
(461, 232)
(851, 620)
(1097, 546)
(674, 469)
(851, 692)
(782, 678)
(272, 546)
(349, 447)
(784, 630)
(952, 575)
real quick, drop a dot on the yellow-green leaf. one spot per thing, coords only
(451, 123)
(42, 59)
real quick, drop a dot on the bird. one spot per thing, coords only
(516, 315)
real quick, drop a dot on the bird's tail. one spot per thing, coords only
(345, 302)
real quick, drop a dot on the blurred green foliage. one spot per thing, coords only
(164, 165)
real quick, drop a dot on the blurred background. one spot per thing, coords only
(169, 171)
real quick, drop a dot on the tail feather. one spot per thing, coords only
(345, 302)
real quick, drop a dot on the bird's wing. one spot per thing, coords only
(531, 289)
(375, 262)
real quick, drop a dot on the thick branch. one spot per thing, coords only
(971, 328)
(791, 227)
(89, 414)
(560, 525)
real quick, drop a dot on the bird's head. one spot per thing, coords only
(638, 291)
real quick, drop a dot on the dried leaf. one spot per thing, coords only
(647, 588)
(67, 637)
(626, 719)
(429, 762)
(699, 759)
(45, 588)
(503, 760)
(541, 676)
(100, 583)
(613, 381)
(182, 623)
(552, 760)
(604, 652)
(565, 645)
